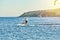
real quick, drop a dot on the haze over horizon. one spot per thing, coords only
(13, 8)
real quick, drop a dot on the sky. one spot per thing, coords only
(13, 8)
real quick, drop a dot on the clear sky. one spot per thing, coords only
(17, 7)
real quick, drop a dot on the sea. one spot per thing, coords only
(37, 28)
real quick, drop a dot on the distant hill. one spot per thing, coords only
(31, 14)
(42, 13)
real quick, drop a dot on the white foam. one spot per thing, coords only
(21, 24)
(31, 25)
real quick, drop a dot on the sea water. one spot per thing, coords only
(37, 28)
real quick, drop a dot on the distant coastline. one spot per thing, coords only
(42, 13)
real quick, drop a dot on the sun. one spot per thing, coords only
(56, 4)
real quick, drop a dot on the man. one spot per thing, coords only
(26, 20)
